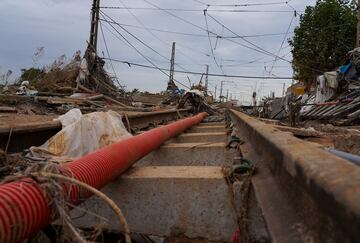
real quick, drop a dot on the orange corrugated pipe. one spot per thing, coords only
(24, 206)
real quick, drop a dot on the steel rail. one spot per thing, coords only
(300, 183)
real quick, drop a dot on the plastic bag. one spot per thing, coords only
(82, 135)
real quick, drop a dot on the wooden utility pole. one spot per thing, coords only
(207, 77)
(358, 24)
(94, 23)
(171, 84)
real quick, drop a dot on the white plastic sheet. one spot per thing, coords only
(82, 134)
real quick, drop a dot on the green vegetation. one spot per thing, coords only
(326, 33)
(31, 74)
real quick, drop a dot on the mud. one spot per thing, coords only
(348, 143)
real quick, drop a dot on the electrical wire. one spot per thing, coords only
(211, 47)
(258, 48)
(148, 30)
(108, 53)
(138, 39)
(282, 43)
(180, 45)
(134, 36)
(198, 73)
(247, 4)
(219, 36)
(200, 10)
(187, 47)
(206, 30)
(145, 57)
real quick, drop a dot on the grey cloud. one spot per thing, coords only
(62, 26)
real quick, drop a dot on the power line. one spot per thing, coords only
(282, 43)
(197, 35)
(138, 39)
(256, 47)
(199, 73)
(140, 22)
(145, 57)
(114, 22)
(199, 10)
(218, 36)
(259, 49)
(211, 47)
(247, 4)
(200, 2)
(201, 28)
(108, 53)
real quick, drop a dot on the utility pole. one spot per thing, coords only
(227, 95)
(207, 77)
(283, 94)
(171, 84)
(94, 23)
(221, 90)
(358, 25)
(215, 92)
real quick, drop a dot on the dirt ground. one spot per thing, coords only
(343, 138)
(16, 119)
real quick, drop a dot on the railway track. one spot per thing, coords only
(183, 190)
(299, 192)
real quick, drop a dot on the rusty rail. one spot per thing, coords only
(303, 191)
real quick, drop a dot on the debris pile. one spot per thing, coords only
(196, 99)
(334, 99)
(337, 96)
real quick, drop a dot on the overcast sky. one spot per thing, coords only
(62, 27)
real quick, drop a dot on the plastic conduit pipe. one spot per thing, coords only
(24, 206)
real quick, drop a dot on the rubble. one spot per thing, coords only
(198, 102)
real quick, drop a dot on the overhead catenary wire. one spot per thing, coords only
(138, 39)
(247, 4)
(200, 10)
(250, 45)
(149, 31)
(198, 73)
(282, 43)
(258, 48)
(108, 53)
(114, 22)
(134, 36)
(145, 57)
(217, 36)
(211, 47)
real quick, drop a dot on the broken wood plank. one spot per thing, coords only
(105, 97)
(95, 97)
(7, 109)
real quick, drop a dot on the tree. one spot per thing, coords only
(31, 74)
(327, 31)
